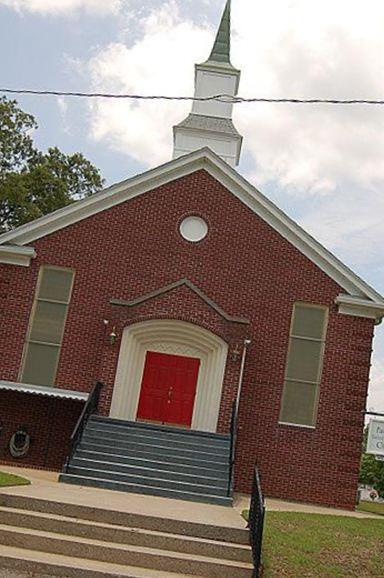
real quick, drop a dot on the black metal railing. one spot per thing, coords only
(232, 450)
(256, 523)
(89, 408)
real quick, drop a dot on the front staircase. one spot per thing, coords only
(151, 459)
(72, 538)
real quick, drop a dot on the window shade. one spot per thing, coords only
(47, 324)
(304, 364)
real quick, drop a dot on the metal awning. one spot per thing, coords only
(43, 390)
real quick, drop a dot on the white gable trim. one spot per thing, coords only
(235, 183)
(357, 307)
(14, 255)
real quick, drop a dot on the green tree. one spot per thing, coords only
(371, 470)
(33, 183)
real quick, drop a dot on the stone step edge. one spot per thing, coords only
(102, 449)
(158, 491)
(132, 446)
(79, 455)
(122, 519)
(181, 486)
(125, 530)
(164, 428)
(39, 563)
(166, 437)
(154, 553)
(187, 477)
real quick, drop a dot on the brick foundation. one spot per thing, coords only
(49, 421)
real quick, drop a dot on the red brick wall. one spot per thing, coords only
(249, 271)
(49, 421)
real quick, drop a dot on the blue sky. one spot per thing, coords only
(322, 165)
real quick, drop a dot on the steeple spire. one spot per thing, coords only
(221, 51)
(210, 122)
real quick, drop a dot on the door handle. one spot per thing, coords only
(170, 392)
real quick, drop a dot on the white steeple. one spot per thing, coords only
(210, 122)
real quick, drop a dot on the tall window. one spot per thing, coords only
(43, 345)
(304, 364)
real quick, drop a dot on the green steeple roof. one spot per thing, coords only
(221, 50)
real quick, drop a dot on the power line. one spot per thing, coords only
(218, 97)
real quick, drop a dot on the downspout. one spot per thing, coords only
(247, 342)
(234, 426)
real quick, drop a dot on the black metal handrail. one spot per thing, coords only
(232, 449)
(256, 522)
(89, 408)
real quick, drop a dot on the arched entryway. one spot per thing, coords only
(177, 340)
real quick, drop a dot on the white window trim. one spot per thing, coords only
(302, 425)
(316, 383)
(36, 299)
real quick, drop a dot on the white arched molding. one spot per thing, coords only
(177, 338)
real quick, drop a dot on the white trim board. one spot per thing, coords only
(229, 178)
(357, 307)
(15, 255)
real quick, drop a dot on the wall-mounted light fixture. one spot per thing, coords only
(111, 335)
(235, 353)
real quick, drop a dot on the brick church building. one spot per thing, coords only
(189, 296)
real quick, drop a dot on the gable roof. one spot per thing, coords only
(207, 160)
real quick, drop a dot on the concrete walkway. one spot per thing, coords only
(273, 505)
(44, 486)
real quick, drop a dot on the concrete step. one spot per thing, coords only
(145, 488)
(196, 477)
(154, 447)
(138, 425)
(134, 536)
(105, 515)
(190, 467)
(43, 563)
(150, 455)
(166, 483)
(166, 438)
(139, 556)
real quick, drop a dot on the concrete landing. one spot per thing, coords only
(44, 486)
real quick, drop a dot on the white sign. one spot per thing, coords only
(375, 444)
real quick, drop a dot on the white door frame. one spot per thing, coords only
(177, 338)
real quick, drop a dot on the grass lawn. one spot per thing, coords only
(374, 507)
(12, 480)
(300, 545)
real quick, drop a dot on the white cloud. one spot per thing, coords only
(64, 7)
(375, 400)
(160, 62)
(284, 49)
(62, 105)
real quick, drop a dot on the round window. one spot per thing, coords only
(193, 229)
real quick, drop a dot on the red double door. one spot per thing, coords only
(168, 389)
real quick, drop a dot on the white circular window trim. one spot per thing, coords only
(193, 229)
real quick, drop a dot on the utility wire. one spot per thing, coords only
(218, 97)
